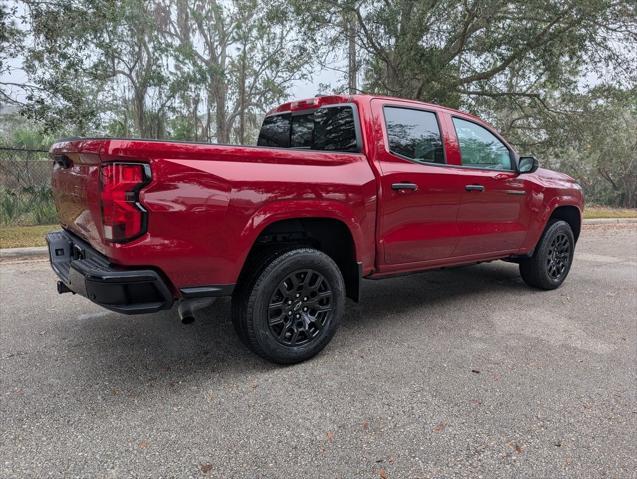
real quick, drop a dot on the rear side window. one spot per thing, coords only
(480, 148)
(414, 134)
(327, 129)
(275, 131)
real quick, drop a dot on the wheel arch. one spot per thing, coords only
(571, 214)
(333, 236)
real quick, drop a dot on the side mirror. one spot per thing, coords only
(527, 164)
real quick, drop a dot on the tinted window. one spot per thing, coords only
(328, 128)
(334, 129)
(414, 134)
(481, 148)
(275, 131)
(302, 130)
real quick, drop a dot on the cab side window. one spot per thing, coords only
(414, 135)
(480, 148)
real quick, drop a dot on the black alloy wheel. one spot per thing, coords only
(300, 307)
(288, 306)
(558, 257)
(551, 261)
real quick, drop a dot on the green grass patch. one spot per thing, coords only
(594, 212)
(23, 236)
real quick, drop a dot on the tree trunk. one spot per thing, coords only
(242, 98)
(221, 115)
(140, 113)
(352, 68)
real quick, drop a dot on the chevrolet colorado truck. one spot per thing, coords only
(338, 188)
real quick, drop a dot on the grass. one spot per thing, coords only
(21, 236)
(594, 212)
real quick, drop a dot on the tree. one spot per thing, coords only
(204, 69)
(243, 56)
(11, 39)
(447, 51)
(598, 146)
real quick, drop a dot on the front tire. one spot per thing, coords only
(290, 307)
(551, 262)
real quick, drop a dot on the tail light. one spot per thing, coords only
(123, 217)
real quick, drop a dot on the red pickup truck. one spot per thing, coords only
(339, 188)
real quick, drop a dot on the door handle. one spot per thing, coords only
(404, 186)
(474, 187)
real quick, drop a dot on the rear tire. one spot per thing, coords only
(289, 308)
(551, 262)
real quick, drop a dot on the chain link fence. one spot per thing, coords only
(25, 187)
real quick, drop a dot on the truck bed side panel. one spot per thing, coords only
(207, 204)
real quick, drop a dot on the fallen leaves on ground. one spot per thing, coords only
(440, 427)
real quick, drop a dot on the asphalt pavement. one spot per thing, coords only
(462, 372)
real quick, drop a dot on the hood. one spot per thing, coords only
(547, 174)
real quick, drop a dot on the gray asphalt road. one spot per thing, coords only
(464, 372)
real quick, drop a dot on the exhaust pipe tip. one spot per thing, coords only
(187, 308)
(62, 288)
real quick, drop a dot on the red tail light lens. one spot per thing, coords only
(123, 217)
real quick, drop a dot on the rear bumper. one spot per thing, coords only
(86, 272)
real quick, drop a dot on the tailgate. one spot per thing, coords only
(75, 181)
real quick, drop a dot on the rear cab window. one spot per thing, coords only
(414, 134)
(329, 128)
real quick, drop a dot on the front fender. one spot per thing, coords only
(545, 212)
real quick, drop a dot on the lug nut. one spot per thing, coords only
(305, 309)
(305, 298)
(297, 295)
(289, 301)
(298, 316)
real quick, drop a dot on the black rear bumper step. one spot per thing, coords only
(86, 272)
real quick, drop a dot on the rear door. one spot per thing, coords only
(419, 197)
(492, 217)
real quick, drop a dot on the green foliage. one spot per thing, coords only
(27, 206)
(599, 146)
(142, 67)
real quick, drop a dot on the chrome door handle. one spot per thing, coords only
(404, 186)
(474, 187)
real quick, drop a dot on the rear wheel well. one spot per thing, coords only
(571, 215)
(328, 235)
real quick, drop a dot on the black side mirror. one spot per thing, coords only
(528, 164)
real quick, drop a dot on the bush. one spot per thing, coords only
(27, 206)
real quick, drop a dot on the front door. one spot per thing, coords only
(492, 217)
(419, 197)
